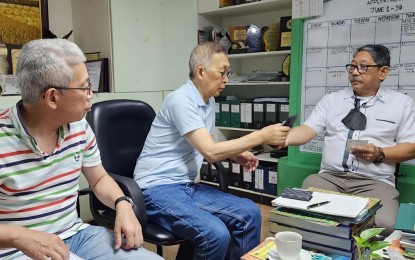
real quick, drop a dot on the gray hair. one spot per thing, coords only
(379, 53)
(44, 63)
(202, 55)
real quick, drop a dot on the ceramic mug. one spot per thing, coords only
(288, 245)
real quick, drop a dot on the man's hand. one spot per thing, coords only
(275, 135)
(41, 245)
(127, 226)
(247, 160)
(368, 152)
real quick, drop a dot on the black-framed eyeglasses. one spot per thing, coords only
(225, 73)
(360, 68)
(87, 89)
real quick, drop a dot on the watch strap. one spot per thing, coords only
(380, 157)
(123, 198)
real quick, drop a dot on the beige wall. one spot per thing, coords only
(148, 43)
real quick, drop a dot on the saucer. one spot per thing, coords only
(304, 255)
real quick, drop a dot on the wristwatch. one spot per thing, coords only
(380, 157)
(124, 198)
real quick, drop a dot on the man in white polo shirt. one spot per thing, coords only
(364, 111)
(45, 145)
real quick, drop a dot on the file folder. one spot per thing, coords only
(259, 179)
(217, 113)
(225, 113)
(283, 110)
(246, 114)
(204, 171)
(226, 164)
(236, 176)
(270, 175)
(247, 179)
(213, 174)
(271, 113)
(258, 115)
(235, 114)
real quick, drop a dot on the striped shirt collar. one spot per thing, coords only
(21, 130)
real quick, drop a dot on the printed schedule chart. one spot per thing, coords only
(331, 39)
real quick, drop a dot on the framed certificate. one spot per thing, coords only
(98, 75)
(94, 69)
(4, 63)
(13, 52)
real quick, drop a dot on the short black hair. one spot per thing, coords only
(379, 53)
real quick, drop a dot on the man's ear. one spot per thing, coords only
(384, 72)
(51, 98)
(200, 71)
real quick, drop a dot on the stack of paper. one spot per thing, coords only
(339, 205)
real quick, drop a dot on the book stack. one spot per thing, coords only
(405, 222)
(408, 243)
(328, 228)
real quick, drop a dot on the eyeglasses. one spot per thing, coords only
(225, 73)
(360, 68)
(88, 89)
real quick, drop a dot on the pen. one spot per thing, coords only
(318, 204)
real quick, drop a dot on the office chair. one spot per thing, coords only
(121, 127)
(398, 174)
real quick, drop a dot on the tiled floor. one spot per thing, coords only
(169, 252)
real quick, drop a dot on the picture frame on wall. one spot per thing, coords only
(4, 63)
(23, 20)
(13, 52)
(200, 36)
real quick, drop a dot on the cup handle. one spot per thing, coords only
(266, 243)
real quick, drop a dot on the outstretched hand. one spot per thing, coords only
(248, 160)
(276, 135)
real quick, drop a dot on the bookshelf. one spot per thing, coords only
(260, 13)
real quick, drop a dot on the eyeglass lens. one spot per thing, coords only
(360, 68)
(225, 73)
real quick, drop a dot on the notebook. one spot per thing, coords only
(340, 205)
(405, 220)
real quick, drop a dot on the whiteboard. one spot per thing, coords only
(331, 39)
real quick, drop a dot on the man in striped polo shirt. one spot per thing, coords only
(45, 144)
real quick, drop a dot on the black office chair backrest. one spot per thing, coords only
(128, 123)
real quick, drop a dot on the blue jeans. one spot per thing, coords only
(212, 220)
(95, 242)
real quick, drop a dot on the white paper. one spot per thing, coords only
(355, 142)
(72, 256)
(340, 205)
(306, 8)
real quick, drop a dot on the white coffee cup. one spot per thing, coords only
(288, 245)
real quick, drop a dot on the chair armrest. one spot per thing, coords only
(82, 192)
(132, 190)
(85, 191)
(223, 177)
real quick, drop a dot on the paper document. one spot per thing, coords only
(340, 205)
